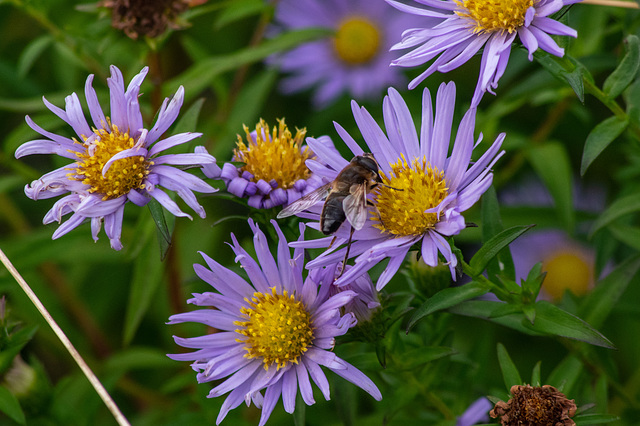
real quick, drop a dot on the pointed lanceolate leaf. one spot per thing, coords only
(164, 234)
(10, 406)
(147, 276)
(565, 374)
(620, 207)
(502, 264)
(535, 374)
(492, 247)
(552, 320)
(510, 373)
(552, 165)
(447, 298)
(625, 73)
(599, 138)
(594, 419)
(607, 293)
(566, 69)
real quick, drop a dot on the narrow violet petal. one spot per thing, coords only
(358, 378)
(289, 390)
(271, 397)
(168, 203)
(318, 377)
(172, 141)
(306, 391)
(97, 115)
(167, 117)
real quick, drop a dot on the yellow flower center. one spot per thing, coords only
(566, 271)
(414, 188)
(123, 175)
(278, 328)
(495, 15)
(357, 41)
(276, 156)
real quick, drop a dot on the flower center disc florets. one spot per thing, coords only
(276, 156)
(414, 188)
(357, 41)
(495, 15)
(278, 328)
(566, 271)
(123, 175)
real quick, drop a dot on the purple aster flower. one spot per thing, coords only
(274, 171)
(355, 60)
(568, 263)
(477, 412)
(425, 190)
(457, 29)
(276, 330)
(115, 161)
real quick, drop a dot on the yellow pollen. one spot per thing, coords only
(357, 41)
(278, 328)
(567, 271)
(123, 175)
(494, 15)
(415, 187)
(276, 156)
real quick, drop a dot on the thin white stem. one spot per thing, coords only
(115, 411)
(613, 3)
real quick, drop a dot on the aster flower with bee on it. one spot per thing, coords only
(116, 161)
(453, 31)
(423, 190)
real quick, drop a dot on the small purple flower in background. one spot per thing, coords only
(354, 61)
(426, 190)
(568, 263)
(477, 412)
(275, 330)
(455, 30)
(274, 172)
(116, 161)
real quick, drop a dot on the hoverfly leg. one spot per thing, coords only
(333, 240)
(346, 255)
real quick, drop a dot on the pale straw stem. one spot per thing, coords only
(104, 395)
(613, 3)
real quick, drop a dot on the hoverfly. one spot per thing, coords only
(346, 197)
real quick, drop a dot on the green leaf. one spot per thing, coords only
(147, 276)
(499, 312)
(625, 73)
(551, 163)
(620, 207)
(549, 320)
(164, 234)
(199, 76)
(510, 372)
(32, 52)
(565, 69)
(10, 406)
(594, 419)
(189, 119)
(416, 358)
(502, 264)
(239, 9)
(629, 235)
(599, 138)
(565, 374)
(535, 374)
(491, 248)
(552, 320)
(600, 302)
(446, 298)
(17, 341)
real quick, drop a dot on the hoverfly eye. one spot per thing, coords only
(369, 163)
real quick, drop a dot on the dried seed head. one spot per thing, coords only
(535, 406)
(145, 17)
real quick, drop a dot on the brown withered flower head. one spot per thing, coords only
(535, 406)
(146, 17)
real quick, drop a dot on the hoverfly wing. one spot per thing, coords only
(355, 207)
(305, 202)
